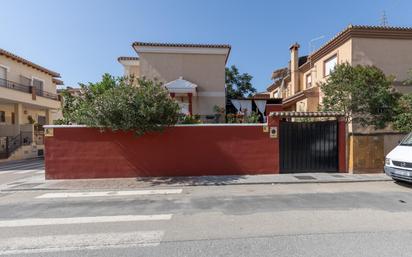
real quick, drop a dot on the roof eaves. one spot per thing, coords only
(361, 31)
(188, 45)
(181, 45)
(128, 58)
(29, 63)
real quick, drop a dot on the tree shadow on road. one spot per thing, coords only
(192, 180)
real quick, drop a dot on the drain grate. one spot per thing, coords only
(305, 177)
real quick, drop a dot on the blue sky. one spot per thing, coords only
(82, 39)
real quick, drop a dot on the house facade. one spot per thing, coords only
(28, 100)
(388, 48)
(194, 74)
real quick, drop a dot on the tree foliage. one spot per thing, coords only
(238, 85)
(119, 104)
(363, 93)
(403, 119)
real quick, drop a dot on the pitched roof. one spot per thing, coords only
(181, 85)
(29, 63)
(181, 45)
(362, 31)
(280, 73)
(261, 95)
(58, 81)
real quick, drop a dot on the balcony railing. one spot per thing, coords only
(15, 86)
(27, 89)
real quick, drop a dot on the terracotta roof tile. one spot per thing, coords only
(181, 45)
(364, 29)
(29, 63)
(306, 114)
(128, 58)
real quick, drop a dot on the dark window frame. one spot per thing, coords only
(2, 116)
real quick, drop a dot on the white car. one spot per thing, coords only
(398, 163)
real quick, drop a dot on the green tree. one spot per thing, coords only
(238, 85)
(403, 119)
(119, 104)
(363, 93)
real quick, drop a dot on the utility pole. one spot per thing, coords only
(384, 19)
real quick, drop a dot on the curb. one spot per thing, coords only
(203, 184)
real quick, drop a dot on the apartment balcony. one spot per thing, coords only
(11, 91)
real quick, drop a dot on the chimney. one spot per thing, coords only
(294, 65)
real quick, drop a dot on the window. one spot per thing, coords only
(3, 76)
(330, 65)
(25, 81)
(309, 80)
(38, 85)
(2, 116)
(41, 120)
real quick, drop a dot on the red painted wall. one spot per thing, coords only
(74, 153)
(273, 108)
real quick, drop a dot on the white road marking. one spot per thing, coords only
(40, 172)
(25, 171)
(81, 220)
(7, 171)
(60, 243)
(112, 193)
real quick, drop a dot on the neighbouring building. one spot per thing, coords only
(28, 100)
(388, 48)
(194, 74)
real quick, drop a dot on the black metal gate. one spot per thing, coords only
(308, 146)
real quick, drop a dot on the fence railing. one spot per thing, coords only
(27, 89)
(15, 86)
(10, 144)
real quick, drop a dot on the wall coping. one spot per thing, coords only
(177, 125)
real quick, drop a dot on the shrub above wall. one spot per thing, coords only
(118, 104)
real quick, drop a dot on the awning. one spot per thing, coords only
(180, 86)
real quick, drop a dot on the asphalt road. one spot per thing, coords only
(348, 219)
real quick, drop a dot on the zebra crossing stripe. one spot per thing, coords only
(81, 220)
(63, 243)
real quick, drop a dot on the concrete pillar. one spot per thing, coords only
(342, 145)
(18, 117)
(49, 120)
(274, 123)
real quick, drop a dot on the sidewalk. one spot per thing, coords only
(38, 182)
